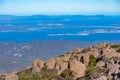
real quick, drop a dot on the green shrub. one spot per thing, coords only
(115, 46)
(66, 61)
(92, 61)
(85, 50)
(45, 74)
(78, 53)
(93, 73)
(118, 50)
(23, 75)
(115, 58)
(83, 78)
(49, 74)
(61, 56)
(69, 53)
(76, 57)
(68, 74)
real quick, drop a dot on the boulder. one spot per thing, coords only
(102, 45)
(28, 69)
(66, 57)
(100, 64)
(77, 50)
(105, 51)
(109, 53)
(9, 76)
(61, 66)
(78, 67)
(96, 54)
(114, 69)
(37, 65)
(50, 64)
(83, 58)
(2, 77)
(101, 78)
(94, 51)
(86, 59)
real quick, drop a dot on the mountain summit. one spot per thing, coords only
(98, 62)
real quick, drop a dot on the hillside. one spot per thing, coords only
(98, 62)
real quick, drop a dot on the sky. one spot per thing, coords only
(60, 7)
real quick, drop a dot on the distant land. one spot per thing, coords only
(66, 20)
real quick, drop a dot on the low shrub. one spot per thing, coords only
(115, 46)
(93, 73)
(49, 73)
(118, 50)
(23, 75)
(92, 61)
(68, 74)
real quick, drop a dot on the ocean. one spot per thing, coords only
(59, 27)
(87, 33)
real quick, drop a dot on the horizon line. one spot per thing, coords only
(60, 15)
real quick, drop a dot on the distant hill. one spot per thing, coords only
(79, 20)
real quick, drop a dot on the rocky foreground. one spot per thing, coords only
(99, 62)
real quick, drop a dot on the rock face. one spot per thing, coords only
(50, 64)
(78, 67)
(37, 66)
(9, 76)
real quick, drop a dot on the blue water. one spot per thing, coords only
(87, 33)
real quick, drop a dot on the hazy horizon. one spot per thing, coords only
(62, 7)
